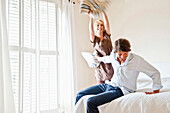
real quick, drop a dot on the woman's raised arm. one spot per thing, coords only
(91, 29)
(106, 21)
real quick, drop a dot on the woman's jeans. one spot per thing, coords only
(103, 93)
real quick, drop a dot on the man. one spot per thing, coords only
(127, 67)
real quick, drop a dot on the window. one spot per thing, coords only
(32, 40)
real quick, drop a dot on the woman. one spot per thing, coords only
(100, 39)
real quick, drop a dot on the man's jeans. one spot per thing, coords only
(103, 93)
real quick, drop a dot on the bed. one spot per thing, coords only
(138, 102)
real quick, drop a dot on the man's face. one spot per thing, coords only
(122, 56)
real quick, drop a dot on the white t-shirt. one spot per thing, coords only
(125, 75)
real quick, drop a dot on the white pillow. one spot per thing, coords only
(90, 59)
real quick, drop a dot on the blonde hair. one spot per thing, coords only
(101, 22)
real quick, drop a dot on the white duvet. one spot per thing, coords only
(137, 102)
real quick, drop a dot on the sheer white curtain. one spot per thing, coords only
(33, 54)
(43, 80)
(6, 94)
(67, 64)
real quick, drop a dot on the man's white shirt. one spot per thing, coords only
(126, 74)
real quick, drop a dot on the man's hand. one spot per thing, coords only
(155, 91)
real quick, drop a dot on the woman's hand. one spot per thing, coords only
(90, 13)
(99, 58)
(155, 91)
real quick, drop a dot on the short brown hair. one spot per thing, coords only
(122, 45)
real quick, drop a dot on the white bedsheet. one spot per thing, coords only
(137, 102)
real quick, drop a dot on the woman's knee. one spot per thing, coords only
(78, 96)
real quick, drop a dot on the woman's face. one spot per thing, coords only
(122, 56)
(99, 27)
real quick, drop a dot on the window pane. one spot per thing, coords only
(29, 83)
(48, 82)
(47, 16)
(29, 24)
(13, 22)
(14, 61)
(52, 26)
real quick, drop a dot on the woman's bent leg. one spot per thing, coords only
(91, 90)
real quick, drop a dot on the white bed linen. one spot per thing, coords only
(137, 102)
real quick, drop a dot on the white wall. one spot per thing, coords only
(146, 23)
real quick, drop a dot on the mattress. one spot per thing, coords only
(137, 102)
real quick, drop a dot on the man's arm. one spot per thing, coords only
(106, 59)
(152, 72)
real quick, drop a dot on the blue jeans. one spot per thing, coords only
(103, 93)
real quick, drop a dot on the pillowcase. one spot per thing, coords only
(96, 6)
(90, 59)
